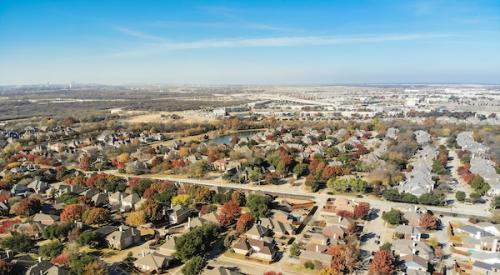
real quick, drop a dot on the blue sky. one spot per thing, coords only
(249, 42)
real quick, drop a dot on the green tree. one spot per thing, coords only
(460, 196)
(194, 266)
(258, 205)
(431, 199)
(196, 242)
(57, 231)
(90, 238)
(409, 198)
(391, 195)
(495, 202)
(51, 249)
(17, 243)
(142, 186)
(78, 262)
(337, 184)
(479, 185)
(200, 168)
(438, 168)
(300, 169)
(255, 175)
(294, 250)
(165, 196)
(475, 197)
(393, 217)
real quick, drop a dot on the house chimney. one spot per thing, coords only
(120, 228)
(189, 222)
(39, 259)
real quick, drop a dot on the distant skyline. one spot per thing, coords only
(249, 42)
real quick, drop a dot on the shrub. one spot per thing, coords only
(309, 265)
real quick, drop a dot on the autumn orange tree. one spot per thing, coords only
(183, 152)
(96, 215)
(72, 212)
(229, 211)
(136, 218)
(27, 207)
(428, 221)
(152, 211)
(84, 162)
(345, 257)
(382, 263)
(244, 222)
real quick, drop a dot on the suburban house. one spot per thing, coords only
(178, 214)
(408, 232)
(258, 249)
(124, 237)
(167, 248)
(415, 263)
(153, 262)
(408, 247)
(197, 221)
(45, 219)
(334, 232)
(475, 237)
(258, 232)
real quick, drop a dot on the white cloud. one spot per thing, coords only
(137, 34)
(272, 42)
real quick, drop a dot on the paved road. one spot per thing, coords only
(320, 198)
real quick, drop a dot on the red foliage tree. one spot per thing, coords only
(5, 267)
(133, 182)
(72, 212)
(179, 163)
(148, 193)
(313, 165)
(229, 212)
(382, 263)
(61, 259)
(244, 222)
(331, 171)
(4, 196)
(204, 209)
(360, 150)
(5, 225)
(361, 210)
(345, 214)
